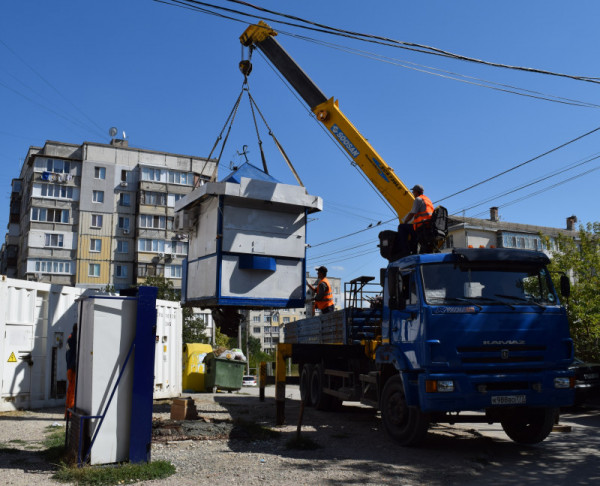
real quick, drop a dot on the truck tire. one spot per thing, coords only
(406, 425)
(318, 399)
(530, 425)
(305, 377)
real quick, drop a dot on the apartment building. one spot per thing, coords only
(97, 215)
(493, 233)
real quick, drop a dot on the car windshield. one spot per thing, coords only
(447, 283)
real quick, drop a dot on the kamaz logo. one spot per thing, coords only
(496, 343)
(345, 142)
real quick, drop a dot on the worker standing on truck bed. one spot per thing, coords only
(323, 292)
(421, 211)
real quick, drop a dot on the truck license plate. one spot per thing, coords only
(509, 400)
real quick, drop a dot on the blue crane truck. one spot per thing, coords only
(474, 335)
(453, 334)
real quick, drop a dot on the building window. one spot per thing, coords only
(146, 244)
(122, 246)
(173, 271)
(98, 196)
(124, 199)
(520, 242)
(149, 270)
(55, 191)
(58, 166)
(121, 271)
(99, 173)
(123, 222)
(256, 330)
(177, 247)
(286, 320)
(256, 319)
(94, 270)
(267, 319)
(95, 245)
(150, 221)
(96, 221)
(184, 178)
(124, 175)
(53, 266)
(267, 340)
(173, 198)
(54, 240)
(50, 215)
(153, 198)
(156, 175)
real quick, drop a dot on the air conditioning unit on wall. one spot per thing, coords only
(123, 184)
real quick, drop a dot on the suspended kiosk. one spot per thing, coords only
(247, 239)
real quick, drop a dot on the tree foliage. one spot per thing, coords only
(580, 260)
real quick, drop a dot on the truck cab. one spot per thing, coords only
(477, 330)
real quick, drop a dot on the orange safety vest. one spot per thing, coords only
(423, 216)
(327, 298)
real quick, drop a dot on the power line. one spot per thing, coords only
(376, 39)
(518, 165)
(52, 87)
(531, 182)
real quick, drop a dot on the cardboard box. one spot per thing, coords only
(183, 409)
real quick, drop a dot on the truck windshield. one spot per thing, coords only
(447, 283)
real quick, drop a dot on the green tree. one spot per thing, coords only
(580, 260)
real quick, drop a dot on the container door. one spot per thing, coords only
(16, 379)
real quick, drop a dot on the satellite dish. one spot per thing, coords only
(112, 131)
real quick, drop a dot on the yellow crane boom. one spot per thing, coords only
(328, 112)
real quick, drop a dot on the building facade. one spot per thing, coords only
(494, 233)
(97, 215)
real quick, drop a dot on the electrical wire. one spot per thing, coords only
(94, 127)
(376, 39)
(518, 165)
(530, 183)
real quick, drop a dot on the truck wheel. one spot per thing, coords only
(305, 377)
(406, 425)
(318, 399)
(530, 425)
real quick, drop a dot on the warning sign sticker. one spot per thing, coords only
(12, 358)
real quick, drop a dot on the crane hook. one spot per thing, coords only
(245, 67)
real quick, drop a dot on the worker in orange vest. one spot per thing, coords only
(421, 211)
(323, 292)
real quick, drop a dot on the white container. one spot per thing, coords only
(247, 243)
(35, 322)
(168, 374)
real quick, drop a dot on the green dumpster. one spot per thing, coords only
(222, 373)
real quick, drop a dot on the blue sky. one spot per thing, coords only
(168, 77)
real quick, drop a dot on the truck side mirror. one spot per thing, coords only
(565, 286)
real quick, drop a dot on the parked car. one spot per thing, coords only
(587, 380)
(249, 380)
